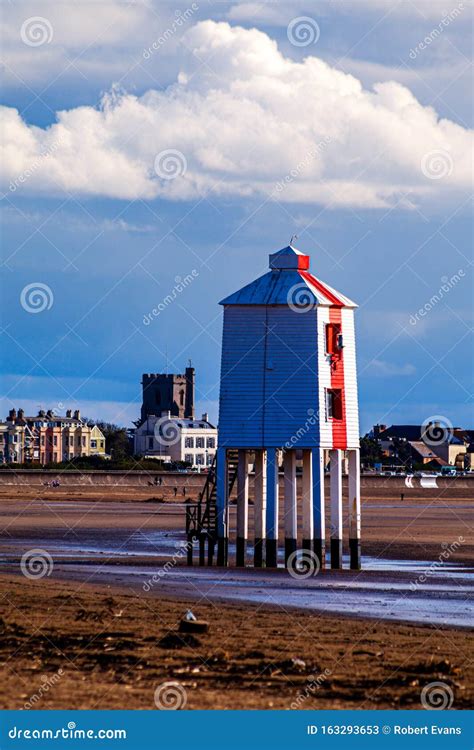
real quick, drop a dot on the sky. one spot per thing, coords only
(153, 157)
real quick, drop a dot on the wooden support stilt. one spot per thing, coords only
(260, 504)
(319, 515)
(242, 507)
(336, 508)
(289, 468)
(222, 491)
(307, 501)
(354, 509)
(271, 547)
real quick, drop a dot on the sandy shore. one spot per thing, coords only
(114, 648)
(116, 643)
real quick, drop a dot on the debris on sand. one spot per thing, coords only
(190, 624)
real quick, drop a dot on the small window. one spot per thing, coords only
(200, 459)
(188, 457)
(181, 398)
(189, 442)
(150, 443)
(333, 338)
(211, 442)
(334, 403)
(200, 442)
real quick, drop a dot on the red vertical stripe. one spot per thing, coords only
(339, 426)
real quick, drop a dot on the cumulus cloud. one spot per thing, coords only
(245, 121)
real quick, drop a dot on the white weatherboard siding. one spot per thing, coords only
(291, 378)
(350, 378)
(241, 395)
(269, 381)
(324, 364)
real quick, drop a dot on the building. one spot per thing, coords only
(48, 437)
(172, 439)
(432, 443)
(168, 393)
(288, 383)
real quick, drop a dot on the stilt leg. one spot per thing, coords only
(336, 508)
(260, 503)
(271, 551)
(354, 509)
(319, 518)
(289, 467)
(242, 508)
(222, 492)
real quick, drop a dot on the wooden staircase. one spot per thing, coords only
(201, 517)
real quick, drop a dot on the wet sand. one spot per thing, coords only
(269, 634)
(116, 646)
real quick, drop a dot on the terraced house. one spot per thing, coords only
(48, 437)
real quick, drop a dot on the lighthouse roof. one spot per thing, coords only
(289, 282)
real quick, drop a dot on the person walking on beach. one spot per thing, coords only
(175, 491)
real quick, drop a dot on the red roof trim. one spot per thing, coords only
(321, 288)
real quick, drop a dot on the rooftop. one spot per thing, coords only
(288, 282)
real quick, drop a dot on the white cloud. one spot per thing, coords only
(246, 119)
(279, 14)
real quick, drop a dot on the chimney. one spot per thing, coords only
(69, 414)
(21, 413)
(50, 413)
(205, 417)
(77, 414)
(12, 415)
(166, 414)
(41, 413)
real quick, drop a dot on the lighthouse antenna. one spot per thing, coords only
(293, 238)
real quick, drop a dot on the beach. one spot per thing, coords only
(106, 612)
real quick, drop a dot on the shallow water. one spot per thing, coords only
(435, 604)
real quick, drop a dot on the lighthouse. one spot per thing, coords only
(288, 392)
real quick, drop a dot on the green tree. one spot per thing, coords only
(117, 441)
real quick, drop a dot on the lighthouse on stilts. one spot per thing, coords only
(288, 390)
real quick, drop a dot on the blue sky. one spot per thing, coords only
(382, 206)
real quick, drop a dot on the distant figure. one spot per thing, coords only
(161, 481)
(175, 491)
(183, 491)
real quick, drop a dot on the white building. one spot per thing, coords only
(173, 439)
(288, 382)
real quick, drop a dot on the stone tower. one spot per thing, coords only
(168, 392)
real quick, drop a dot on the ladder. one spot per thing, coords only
(201, 517)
